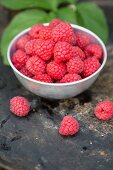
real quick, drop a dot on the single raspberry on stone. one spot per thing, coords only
(45, 33)
(19, 106)
(62, 32)
(21, 42)
(70, 78)
(77, 52)
(104, 110)
(44, 48)
(62, 52)
(82, 39)
(94, 50)
(75, 65)
(91, 65)
(43, 77)
(19, 59)
(55, 70)
(25, 72)
(54, 23)
(35, 65)
(69, 126)
(34, 32)
(30, 46)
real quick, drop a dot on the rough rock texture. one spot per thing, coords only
(33, 143)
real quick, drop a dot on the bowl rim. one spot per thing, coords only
(58, 84)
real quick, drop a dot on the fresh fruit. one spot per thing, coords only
(69, 126)
(62, 52)
(43, 77)
(45, 33)
(75, 65)
(62, 32)
(91, 65)
(20, 106)
(34, 32)
(55, 70)
(77, 52)
(35, 65)
(19, 59)
(25, 72)
(21, 42)
(104, 110)
(94, 50)
(70, 78)
(82, 39)
(54, 22)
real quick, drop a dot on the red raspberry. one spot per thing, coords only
(19, 59)
(54, 22)
(62, 52)
(70, 78)
(91, 65)
(45, 33)
(75, 65)
(82, 39)
(22, 42)
(77, 52)
(34, 32)
(62, 32)
(104, 110)
(44, 48)
(55, 70)
(29, 47)
(94, 50)
(69, 126)
(35, 65)
(25, 72)
(19, 106)
(43, 78)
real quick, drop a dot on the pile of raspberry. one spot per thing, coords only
(57, 53)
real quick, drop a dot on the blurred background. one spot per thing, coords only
(16, 15)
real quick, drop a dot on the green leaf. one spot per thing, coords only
(49, 17)
(67, 14)
(20, 22)
(22, 4)
(93, 18)
(68, 1)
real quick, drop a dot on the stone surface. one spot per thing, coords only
(33, 142)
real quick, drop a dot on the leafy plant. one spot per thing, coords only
(30, 12)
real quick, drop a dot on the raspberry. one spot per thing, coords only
(94, 50)
(55, 70)
(19, 59)
(35, 65)
(75, 65)
(62, 32)
(54, 23)
(44, 48)
(62, 52)
(91, 65)
(34, 32)
(82, 39)
(70, 78)
(45, 33)
(77, 52)
(30, 47)
(43, 77)
(104, 110)
(22, 42)
(25, 72)
(19, 106)
(68, 126)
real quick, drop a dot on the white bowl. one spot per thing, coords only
(56, 90)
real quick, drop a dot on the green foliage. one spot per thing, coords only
(93, 20)
(87, 14)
